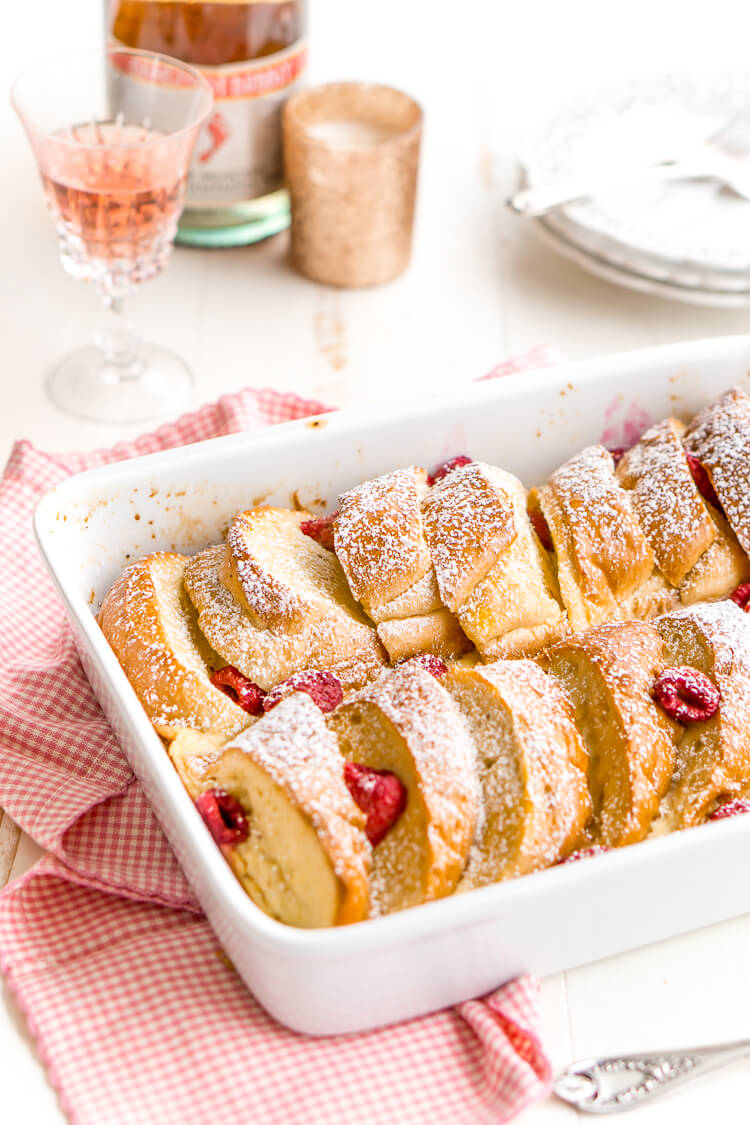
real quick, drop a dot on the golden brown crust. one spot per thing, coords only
(652, 597)
(193, 753)
(468, 524)
(381, 555)
(288, 775)
(515, 609)
(337, 642)
(420, 599)
(602, 553)
(608, 673)
(719, 436)
(379, 538)
(438, 633)
(151, 627)
(491, 570)
(282, 578)
(671, 510)
(407, 724)
(719, 570)
(713, 757)
(532, 767)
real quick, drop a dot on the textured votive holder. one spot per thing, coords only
(351, 151)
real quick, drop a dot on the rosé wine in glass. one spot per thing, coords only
(116, 209)
(113, 132)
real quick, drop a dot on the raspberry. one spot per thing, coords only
(379, 794)
(224, 816)
(618, 452)
(584, 853)
(321, 530)
(541, 527)
(239, 689)
(322, 687)
(432, 664)
(448, 467)
(731, 808)
(741, 596)
(686, 695)
(702, 481)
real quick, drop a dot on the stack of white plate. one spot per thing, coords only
(688, 239)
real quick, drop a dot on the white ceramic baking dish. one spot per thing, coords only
(360, 976)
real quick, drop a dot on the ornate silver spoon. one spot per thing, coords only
(613, 1084)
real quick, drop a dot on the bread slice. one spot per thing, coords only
(306, 859)
(407, 724)
(719, 570)
(469, 523)
(438, 633)
(608, 674)
(417, 621)
(532, 768)
(491, 569)
(421, 598)
(151, 626)
(602, 553)
(713, 757)
(694, 546)
(283, 579)
(671, 510)
(339, 640)
(379, 540)
(193, 753)
(719, 436)
(650, 598)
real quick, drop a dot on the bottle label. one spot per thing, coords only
(238, 155)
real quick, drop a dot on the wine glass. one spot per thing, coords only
(113, 131)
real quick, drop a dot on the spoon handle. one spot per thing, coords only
(620, 1082)
(534, 201)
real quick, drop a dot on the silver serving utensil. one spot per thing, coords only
(620, 1082)
(723, 156)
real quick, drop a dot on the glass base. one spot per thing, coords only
(115, 265)
(240, 225)
(88, 385)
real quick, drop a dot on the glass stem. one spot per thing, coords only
(119, 344)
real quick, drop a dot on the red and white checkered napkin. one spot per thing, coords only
(137, 1014)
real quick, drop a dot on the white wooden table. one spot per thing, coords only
(480, 288)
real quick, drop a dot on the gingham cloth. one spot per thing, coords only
(137, 1014)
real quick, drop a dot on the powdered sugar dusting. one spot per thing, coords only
(532, 767)
(719, 436)
(282, 577)
(335, 642)
(713, 762)
(725, 625)
(468, 524)
(671, 510)
(608, 672)
(151, 627)
(432, 846)
(378, 535)
(606, 541)
(270, 601)
(293, 745)
(514, 610)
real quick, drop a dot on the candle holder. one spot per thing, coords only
(351, 154)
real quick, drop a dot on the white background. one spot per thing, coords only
(480, 288)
